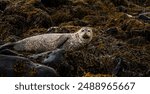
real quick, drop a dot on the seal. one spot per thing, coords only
(53, 41)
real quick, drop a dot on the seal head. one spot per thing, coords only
(85, 34)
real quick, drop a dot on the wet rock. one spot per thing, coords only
(14, 66)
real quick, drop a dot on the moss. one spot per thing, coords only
(60, 17)
(34, 31)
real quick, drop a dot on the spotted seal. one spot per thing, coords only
(52, 41)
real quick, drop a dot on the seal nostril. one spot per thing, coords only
(85, 36)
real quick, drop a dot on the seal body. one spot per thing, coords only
(52, 41)
(40, 43)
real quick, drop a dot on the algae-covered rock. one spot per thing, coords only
(121, 30)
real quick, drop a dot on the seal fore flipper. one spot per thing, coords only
(62, 40)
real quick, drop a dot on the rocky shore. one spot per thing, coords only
(121, 42)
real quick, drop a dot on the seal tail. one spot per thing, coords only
(7, 46)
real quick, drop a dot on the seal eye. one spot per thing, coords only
(88, 30)
(82, 31)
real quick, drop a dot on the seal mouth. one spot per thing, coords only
(85, 36)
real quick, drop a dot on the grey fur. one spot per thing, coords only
(52, 41)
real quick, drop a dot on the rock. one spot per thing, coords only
(15, 66)
(24, 18)
(44, 71)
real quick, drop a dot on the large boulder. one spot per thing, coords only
(16, 66)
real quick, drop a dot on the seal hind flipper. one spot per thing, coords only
(7, 46)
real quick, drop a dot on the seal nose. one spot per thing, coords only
(85, 36)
